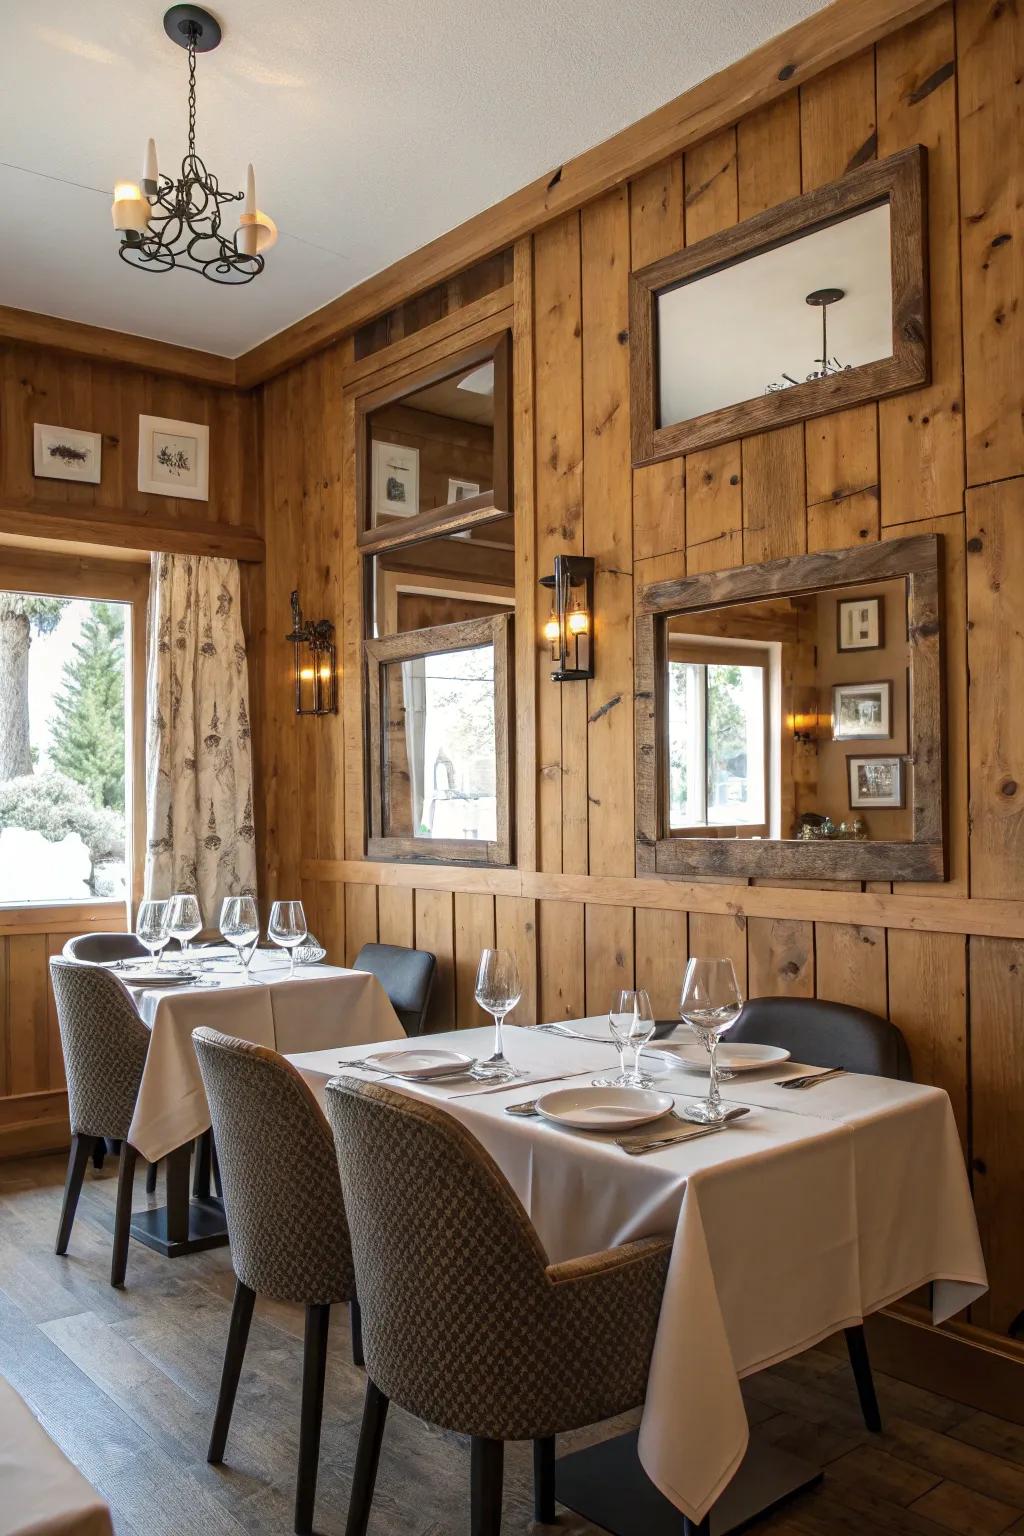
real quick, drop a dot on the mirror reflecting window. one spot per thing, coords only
(464, 575)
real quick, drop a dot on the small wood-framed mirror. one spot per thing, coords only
(806, 308)
(789, 718)
(439, 743)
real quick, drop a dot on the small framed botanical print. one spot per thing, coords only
(396, 480)
(860, 624)
(461, 490)
(862, 711)
(62, 453)
(174, 458)
(875, 783)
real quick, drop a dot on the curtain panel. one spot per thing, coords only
(199, 808)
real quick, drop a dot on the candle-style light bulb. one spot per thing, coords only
(250, 191)
(150, 174)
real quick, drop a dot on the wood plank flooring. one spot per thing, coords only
(125, 1381)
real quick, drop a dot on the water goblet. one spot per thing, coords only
(240, 926)
(287, 928)
(631, 1022)
(151, 927)
(710, 1002)
(498, 990)
(184, 919)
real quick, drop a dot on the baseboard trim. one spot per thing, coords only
(32, 1123)
(983, 1370)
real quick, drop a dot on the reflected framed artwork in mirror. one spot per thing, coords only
(806, 308)
(440, 743)
(752, 720)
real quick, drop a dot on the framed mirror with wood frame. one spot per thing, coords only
(789, 718)
(810, 307)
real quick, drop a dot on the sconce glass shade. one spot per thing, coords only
(316, 675)
(570, 629)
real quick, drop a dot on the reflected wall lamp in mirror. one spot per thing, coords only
(724, 334)
(569, 630)
(316, 674)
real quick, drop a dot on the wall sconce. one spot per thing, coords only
(316, 680)
(803, 722)
(570, 629)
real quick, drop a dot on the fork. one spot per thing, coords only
(572, 1034)
(810, 1078)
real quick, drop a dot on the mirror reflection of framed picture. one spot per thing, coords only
(876, 783)
(396, 480)
(862, 711)
(860, 624)
(461, 490)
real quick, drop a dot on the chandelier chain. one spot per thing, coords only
(192, 92)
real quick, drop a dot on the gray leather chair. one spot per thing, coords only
(465, 1323)
(407, 976)
(98, 948)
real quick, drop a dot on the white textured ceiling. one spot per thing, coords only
(374, 125)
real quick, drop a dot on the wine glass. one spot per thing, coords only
(151, 927)
(710, 1002)
(498, 989)
(287, 928)
(240, 926)
(184, 919)
(631, 1021)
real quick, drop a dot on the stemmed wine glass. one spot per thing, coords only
(240, 926)
(631, 1021)
(151, 927)
(184, 919)
(287, 928)
(711, 1001)
(498, 989)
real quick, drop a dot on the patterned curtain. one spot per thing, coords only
(200, 834)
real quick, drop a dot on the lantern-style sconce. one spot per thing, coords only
(570, 629)
(803, 722)
(316, 681)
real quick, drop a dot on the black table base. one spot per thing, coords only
(607, 1486)
(183, 1225)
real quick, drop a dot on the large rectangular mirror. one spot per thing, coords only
(810, 306)
(789, 719)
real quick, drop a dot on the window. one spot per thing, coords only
(65, 788)
(717, 744)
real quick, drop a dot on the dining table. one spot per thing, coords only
(815, 1208)
(320, 1006)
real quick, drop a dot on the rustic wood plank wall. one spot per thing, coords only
(943, 961)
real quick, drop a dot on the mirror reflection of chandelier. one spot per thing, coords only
(821, 299)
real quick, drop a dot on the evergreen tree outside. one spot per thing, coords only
(21, 617)
(88, 723)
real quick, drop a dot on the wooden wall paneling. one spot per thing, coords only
(351, 635)
(607, 533)
(435, 931)
(55, 1077)
(768, 156)
(850, 963)
(661, 953)
(780, 957)
(990, 65)
(27, 1008)
(774, 495)
(609, 956)
(712, 934)
(561, 960)
(474, 932)
(515, 928)
(360, 919)
(396, 921)
(921, 435)
(928, 1002)
(526, 652)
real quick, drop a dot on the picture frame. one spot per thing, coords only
(461, 490)
(174, 458)
(860, 624)
(862, 711)
(66, 453)
(876, 783)
(395, 480)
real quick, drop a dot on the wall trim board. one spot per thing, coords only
(920, 913)
(33, 1123)
(955, 1360)
(102, 345)
(65, 917)
(120, 529)
(822, 40)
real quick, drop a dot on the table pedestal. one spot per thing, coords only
(183, 1225)
(607, 1485)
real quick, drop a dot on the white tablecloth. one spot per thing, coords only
(805, 1216)
(41, 1493)
(324, 1006)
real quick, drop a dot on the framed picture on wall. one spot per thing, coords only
(860, 624)
(876, 783)
(396, 480)
(62, 453)
(862, 711)
(174, 458)
(461, 490)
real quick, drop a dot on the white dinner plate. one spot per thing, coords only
(692, 1056)
(420, 1063)
(603, 1109)
(150, 979)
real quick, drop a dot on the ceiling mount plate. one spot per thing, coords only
(182, 20)
(822, 297)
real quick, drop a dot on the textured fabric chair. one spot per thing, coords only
(825, 1034)
(466, 1324)
(105, 1044)
(286, 1223)
(97, 948)
(407, 976)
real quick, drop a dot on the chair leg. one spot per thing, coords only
(81, 1147)
(238, 1334)
(857, 1347)
(364, 1477)
(691, 1528)
(314, 1369)
(356, 1319)
(123, 1213)
(151, 1178)
(487, 1461)
(544, 1481)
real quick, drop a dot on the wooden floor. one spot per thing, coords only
(125, 1382)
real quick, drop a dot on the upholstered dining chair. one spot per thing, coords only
(286, 1224)
(407, 976)
(466, 1324)
(100, 948)
(824, 1034)
(105, 1043)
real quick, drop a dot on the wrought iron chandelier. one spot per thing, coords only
(164, 223)
(821, 298)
